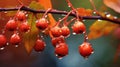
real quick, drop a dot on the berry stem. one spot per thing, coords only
(85, 37)
(20, 2)
(49, 9)
(76, 12)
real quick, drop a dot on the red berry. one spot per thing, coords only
(78, 27)
(15, 39)
(61, 50)
(24, 27)
(39, 45)
(55, 41)
(85, 49)
(42, 24)
(65, 31)
(21, 16)
(3, 41)
(11, 25)
(56, 31)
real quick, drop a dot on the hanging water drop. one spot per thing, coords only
(60, 58)
(108, 15)
(74, 33)
(2, 48)
(16, 46)
(7, 44)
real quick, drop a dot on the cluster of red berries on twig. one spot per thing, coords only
(58, 33)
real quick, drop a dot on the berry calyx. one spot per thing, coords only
(3, 41)
(85, 49)
(24, 27)
(65, 31)
(11, 25)
(78, 27)
(56, 31)
(39, 45)
(42, 24)
(20, 16)
(61, 50)
(55, 41)
(15, 39)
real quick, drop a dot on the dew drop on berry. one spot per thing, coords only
(2, 48)
(7, 44)
(74, 33)
(16, 46)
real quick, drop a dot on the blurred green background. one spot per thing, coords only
(104, 47)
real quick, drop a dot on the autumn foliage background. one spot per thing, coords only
(102, 35)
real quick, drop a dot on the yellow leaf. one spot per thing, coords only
(100, 28)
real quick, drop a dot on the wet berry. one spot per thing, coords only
(24, 27)
(78, 27)
(39, 45)
(3, 41)
(61, 50)
(56, 31)
(15, 39)
(85, 49)
(55, 41)
(65, 31)
(21, 16)
(42, 24)
(11, 25)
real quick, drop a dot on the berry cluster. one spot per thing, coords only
(58, 33)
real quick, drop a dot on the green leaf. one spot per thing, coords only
(31, 36)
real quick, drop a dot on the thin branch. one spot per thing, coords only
(53, 11)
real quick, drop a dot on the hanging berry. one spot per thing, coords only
(56, 31)
(65, 31)
(61, 50)
(56, 40)
(3, 41)
(78, 27)
(21, 16)
(39, 45)
(85, 49)
(15, 39)
(42, 24)
(24, 27)
(11, 25)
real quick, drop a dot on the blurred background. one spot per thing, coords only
(105, 47)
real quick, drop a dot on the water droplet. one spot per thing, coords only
(60, 58)
(69, 6)
(5, 12)
(2, 48)
(92, 52)
(115, 17)
(74, 33)
(84, 20)
(26, 15)
(16, 46)
(108, 15)
(99, 20)
(7, 44)
(94, 12)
